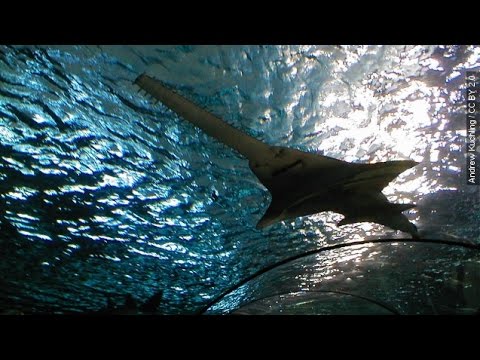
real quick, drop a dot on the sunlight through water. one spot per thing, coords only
(106, 194)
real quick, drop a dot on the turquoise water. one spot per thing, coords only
(105, 194)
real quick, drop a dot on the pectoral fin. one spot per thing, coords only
(375, 177)
(273, 215)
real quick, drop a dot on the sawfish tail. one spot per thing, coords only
(246, 145)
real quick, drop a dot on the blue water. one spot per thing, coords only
(104, 193)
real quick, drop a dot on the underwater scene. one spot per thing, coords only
(239, 179)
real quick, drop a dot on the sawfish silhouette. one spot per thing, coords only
(300, 183)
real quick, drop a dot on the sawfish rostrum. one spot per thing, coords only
(300, 183)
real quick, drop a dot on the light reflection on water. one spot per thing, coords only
(375, 273)
(86, 161)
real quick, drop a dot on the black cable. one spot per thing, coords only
(332, 247)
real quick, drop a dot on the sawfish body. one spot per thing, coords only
(300, 183)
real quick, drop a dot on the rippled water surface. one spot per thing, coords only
(104, 193)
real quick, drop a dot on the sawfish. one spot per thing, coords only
(300, 183)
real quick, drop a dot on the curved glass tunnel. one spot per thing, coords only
(369, 278)
(110, 203)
